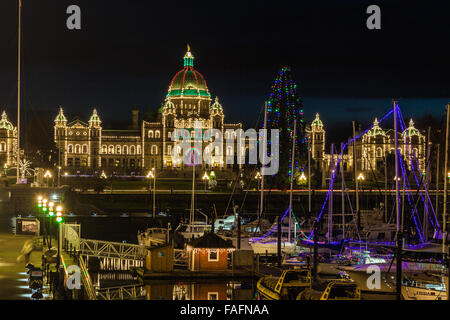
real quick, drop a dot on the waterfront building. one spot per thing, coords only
(8, 143)
(371, 148)
(208, 253)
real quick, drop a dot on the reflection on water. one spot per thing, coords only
(226, 290)
(175, 290)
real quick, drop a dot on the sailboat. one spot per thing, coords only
(195, 228)
(269, 244)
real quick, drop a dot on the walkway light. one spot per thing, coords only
(361, 177)
(302, 177)
(205, 176)
(59, 214)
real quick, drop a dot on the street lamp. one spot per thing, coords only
(258, 178)
(152, 174)
(205, 178)
(302, 178)
(361, 177)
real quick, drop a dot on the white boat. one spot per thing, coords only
(154, 237)
(418, 289)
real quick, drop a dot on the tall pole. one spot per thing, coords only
(261, 201)
(436, 207)
(355, 169)
(292, 178)
(342, 192)
(385, 190)
(444, 214)
(154, 192)
(18, 91)
(397, 208)
(191, 218)
(427, 186)
(330, 208)
(309, 181)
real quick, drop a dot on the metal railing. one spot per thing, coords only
(179, 257)
(86, 279)
(122, 293)
(106, 249)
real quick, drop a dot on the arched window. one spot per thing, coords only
(111, 149)
(3, 146)
(157, 134)
(138, 148)
(77, 148)
(85, 148)
(169, 134)
(104, 149)
(132, 150)
(154, 149)
(229, 150)
(118, 150)
(150, 134)
(70, 148)
(125, 149)
(169, 149)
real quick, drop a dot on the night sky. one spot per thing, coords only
(128, 51)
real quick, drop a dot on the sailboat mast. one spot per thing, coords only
(18, 93)
(261, 202)
(342, 187)
(191, 218)
(444, 213)
(292, 178)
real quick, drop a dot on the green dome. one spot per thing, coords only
(411, 130)
(4, 123)
(188, 81)
(376, 130)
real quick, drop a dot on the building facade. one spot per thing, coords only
(8, 143)
(371, 149)
(88, 148)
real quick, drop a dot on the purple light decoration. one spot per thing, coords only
(403, 126)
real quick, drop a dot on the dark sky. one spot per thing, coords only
(127, 52)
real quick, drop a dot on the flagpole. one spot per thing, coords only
(18, 95)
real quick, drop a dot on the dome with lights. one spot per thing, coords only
(376, 130)
(4, 123)
(411, 130)
(317, 122)
(188, 81)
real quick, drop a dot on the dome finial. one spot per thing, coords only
(188, 58)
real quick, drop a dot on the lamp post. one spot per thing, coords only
(205, 178)
(152, 174)
(359, 180)
(258, 178)
(59, 176)
(59, 219)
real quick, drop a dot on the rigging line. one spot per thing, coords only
(421, 181)
(402, 123)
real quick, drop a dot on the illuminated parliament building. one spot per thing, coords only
(371, 148)
(88, 148)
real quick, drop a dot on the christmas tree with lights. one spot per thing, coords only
(283, 108)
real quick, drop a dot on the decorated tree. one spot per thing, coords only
(283, 108)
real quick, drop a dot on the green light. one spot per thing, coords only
(59, 219)
(39, 205)
(44, 209)
(51, 213)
